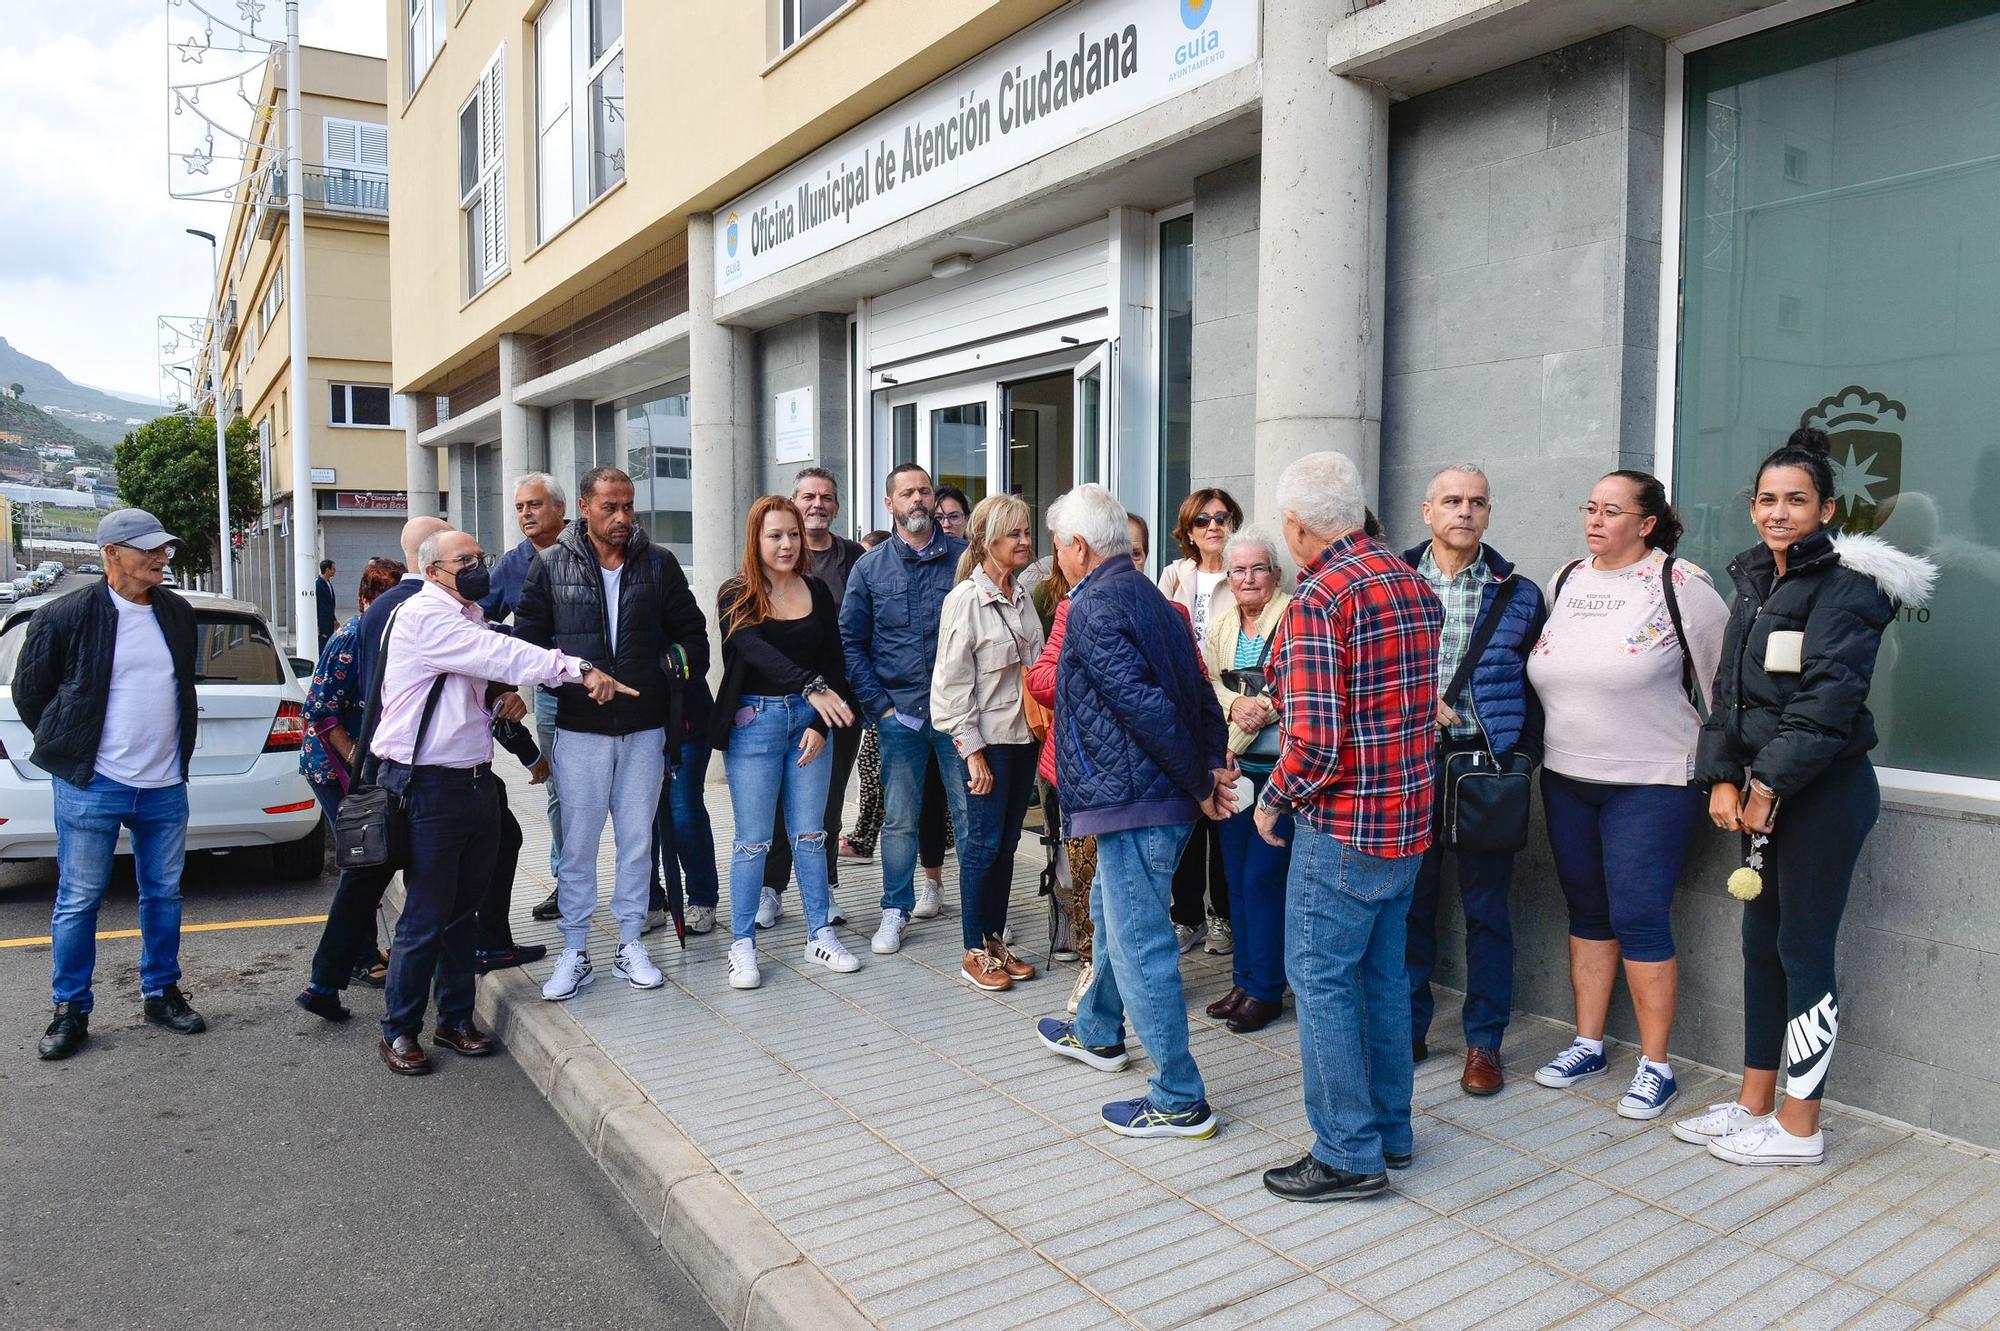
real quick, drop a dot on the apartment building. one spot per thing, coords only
(1168, 243)
(358, 472)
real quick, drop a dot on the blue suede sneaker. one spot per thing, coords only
(1138, 1118)
(1652, 1090)
(1571, 1066)
(1059, 1037)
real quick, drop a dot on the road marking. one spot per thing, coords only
(44, 940)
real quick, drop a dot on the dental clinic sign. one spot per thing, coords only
(1076, 71)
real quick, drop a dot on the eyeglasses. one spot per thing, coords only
(1252, 570)
(1205, 519)
(166, 552)
(950, 519)
(1591, 509)
(464, 562)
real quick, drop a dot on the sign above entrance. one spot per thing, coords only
(1075, 72)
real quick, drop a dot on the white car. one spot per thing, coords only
(244, 784)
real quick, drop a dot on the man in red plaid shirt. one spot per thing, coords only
(1355, 674)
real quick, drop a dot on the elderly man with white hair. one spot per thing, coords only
(1142, 749)
(1355, 675)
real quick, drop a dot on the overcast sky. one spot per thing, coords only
(91, 247)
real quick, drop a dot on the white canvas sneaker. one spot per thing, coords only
(743, 964)
(827, 950)
(1084, 975)
(769, 908)
(700, 919)
(636, 968)
(930, 899)
(1767, 1143)
(1718, 1121)
(889, 938)
(571, 974)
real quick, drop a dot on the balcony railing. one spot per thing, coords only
(338, 191)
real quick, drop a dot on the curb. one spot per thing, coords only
(752, 1276)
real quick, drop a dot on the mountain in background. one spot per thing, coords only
(36, 426)
(69, 403)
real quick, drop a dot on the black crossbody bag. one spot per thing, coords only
(1486, 798)
(371, 830)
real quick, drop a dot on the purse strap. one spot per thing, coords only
(1481, 636)
(370, 763)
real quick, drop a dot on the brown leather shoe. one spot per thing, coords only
(1483, 1075)
(404, 1055)
(1017, 969)
(982, 970)
(1254, 1014)
(1223, 1008)
(464, 1038)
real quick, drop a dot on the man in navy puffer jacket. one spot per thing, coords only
(1141, 748)
(1496, 710)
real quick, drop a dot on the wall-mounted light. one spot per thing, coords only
(951, 265)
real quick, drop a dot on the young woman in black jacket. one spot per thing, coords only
(782, 688)
(1785, 756)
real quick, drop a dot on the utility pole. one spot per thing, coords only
(305, 518)
(224, 563)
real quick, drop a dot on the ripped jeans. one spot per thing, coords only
(762, 761)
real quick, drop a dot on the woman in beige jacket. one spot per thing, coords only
(988, 635)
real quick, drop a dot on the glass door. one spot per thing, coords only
(1092, 414)
(958, 442)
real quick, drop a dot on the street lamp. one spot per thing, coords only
(223, 561)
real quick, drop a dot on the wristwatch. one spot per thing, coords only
(583, 668)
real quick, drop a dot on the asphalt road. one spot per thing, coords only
(271, 1173)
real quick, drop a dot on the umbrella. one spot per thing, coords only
(667, 862)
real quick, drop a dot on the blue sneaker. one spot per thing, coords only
(1571, 1066)
(1652, 1090)
(1059, 1037)
(1138, 1118)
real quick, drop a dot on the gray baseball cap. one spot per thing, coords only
(134, 527)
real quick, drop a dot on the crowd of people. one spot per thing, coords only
(1273, 772)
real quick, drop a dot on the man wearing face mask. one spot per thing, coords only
(888, 632)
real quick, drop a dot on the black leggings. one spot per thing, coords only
(1200, 886)
(1791, 1003)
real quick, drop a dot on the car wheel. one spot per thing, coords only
(304, 858)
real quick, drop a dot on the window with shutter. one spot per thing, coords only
(555, 167)
(482, 170)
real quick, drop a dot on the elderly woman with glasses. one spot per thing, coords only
(1238, 653)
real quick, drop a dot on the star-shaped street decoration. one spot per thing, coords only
(197, 162)
(1855, 482)
(192, 50)
(616, 160)
(251, 10)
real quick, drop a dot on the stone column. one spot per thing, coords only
(523, 442)
(1323, 203)
(420, 464)
(722, 422)
(569, 424)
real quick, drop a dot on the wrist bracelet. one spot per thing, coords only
(1760, 788)
(817, 684)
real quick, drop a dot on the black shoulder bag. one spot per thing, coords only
(1690, 681)
(371, 831)
(1486, 798)
(1253, 682)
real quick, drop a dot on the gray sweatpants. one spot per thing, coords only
(598, 776)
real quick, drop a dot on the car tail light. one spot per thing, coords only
(288, 729)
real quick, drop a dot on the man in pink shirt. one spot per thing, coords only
(434, 746)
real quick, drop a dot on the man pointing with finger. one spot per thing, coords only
(434, 745)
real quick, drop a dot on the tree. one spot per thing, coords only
(17, 390)
(167, 467)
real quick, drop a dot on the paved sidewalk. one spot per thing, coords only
(910, 1137)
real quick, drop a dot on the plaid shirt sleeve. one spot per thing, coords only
(1308, 668)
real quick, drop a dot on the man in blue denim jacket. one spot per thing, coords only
(888, 633)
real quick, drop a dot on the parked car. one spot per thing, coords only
(90, 568)
(7, 594)
(23, 587)
(244, 784)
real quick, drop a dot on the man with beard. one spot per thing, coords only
(604, 592)
(888, 631)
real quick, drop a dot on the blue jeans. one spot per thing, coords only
(87, 823)
(905, 755)
(992, 831)
(1255, 870)
(545, 740)
(1618, 852)
(454, 817)
(683, 838)
(1344, 919)
(1137, 962)
(763, 761)
(1484, 881)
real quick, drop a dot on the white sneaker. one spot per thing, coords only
(1085, 973)
(930, 898)
(572, 973)
(636, 968)
(769, 908)
(1189, 937)
(1767, 1143)
(1719, 1121)
(889, 938)
(827, 950)
(654, 919)
(700, 919)
(743, 964)
(1221, 937)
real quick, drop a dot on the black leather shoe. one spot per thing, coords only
(1310, 1181)
(171, 1010)
(1419, 1051)
(547, 908)
(1395, 1161)
(518, 955)
(1254, 1014)
(1223, 1008)
(66, 1033)
(328, 1006)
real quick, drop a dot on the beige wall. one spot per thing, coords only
(708, 114)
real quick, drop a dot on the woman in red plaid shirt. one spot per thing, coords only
(1356, 675)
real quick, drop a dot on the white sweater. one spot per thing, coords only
(1607, 670)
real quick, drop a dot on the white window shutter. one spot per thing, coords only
(493, 161)
(341, 146)
(372, 146)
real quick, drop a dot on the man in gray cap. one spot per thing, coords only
(99, 669)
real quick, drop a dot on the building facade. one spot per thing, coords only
(358, 471)
(1170, 243)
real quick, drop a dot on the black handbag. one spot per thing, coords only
(1487, 799)
(371, 830)
(1252, 682)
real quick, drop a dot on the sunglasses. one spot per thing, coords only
(1205, 519)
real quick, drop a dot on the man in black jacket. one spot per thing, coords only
(606, 593)
(323, 600)
(99, 669)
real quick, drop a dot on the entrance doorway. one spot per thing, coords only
(1040, 459)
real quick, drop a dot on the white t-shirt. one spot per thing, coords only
(612, 577)
(1204, 592)
(139, 748)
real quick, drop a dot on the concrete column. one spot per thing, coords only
(722, 420)
(420, 464)
(520, 427)
(461, 501)
(1323, 202)
(567, 424)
